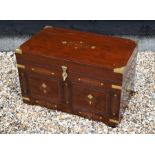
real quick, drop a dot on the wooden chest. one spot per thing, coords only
(75, 72)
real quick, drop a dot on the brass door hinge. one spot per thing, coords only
(114, 121)
(116, 87)
(119, 70)
(18, 51)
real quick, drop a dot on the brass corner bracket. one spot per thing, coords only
(114, 121)
(116, 87)
(21, 66)
(119, 70)
(18, 51)
(25, 98)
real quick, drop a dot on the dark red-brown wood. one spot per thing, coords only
(90, 60)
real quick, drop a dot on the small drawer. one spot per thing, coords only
(53, 72)
(81, 79)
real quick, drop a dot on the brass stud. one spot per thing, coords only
(113, 113)
(55, 106)
(93, 47)
(36, 101)
(79, 79)
(67, 102)
(79, 112)
(76, 48)
(66, 84)
(53, 73)
(102, 84)
(32, 69)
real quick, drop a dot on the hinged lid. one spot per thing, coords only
(80, 47)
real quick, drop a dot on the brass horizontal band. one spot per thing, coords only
(21, 66)
(119, 70)
(114, 121)
(18, 51)
(116, 87)
(26, 98)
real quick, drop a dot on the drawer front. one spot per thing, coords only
(89, 99)
(44, 88)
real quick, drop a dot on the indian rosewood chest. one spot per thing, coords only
(75, 72)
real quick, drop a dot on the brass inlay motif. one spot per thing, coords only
(44, 85)
(21, 66)
(90, 96)
(18, 51)
(26, 98)
(119, 70)
(64, 72)
(116, 87)
(45, 91)
(114, 121)
(64, 42)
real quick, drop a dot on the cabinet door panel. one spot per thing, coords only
(87, 99)
(44, 88)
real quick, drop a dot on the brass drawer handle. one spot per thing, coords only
(64, 72)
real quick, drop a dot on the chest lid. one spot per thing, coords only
(80, 47)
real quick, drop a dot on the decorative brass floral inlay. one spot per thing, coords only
(90, 96)
(79, 45)
(44, 85)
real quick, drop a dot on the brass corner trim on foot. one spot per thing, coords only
(116, 87)
(48, 26)
(26, 98)
(114, 121)
(18, 51)
(21, 66)
(119, 70)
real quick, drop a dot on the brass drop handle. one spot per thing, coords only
(64, 72)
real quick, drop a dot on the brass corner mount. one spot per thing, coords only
(119, 70)
(18, 51)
